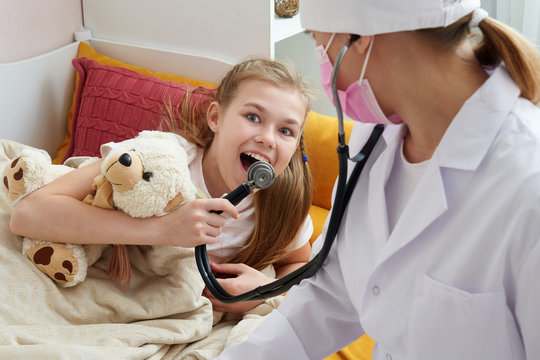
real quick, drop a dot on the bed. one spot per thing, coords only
(52, 100)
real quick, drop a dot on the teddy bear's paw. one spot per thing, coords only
(14, 178)
(61, 262)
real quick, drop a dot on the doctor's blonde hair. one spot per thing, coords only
(499, 43)
(280, 210)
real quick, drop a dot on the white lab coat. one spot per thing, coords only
(458, 276)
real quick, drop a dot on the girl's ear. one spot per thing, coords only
(361, 45)
(212, 116)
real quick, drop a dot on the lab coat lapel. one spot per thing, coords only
(378, 177)
(426, 204)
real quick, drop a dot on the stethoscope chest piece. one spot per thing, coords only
(261, 174)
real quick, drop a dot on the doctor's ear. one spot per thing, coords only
(362, 44)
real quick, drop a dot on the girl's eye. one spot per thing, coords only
(253, 118)
(285, 131)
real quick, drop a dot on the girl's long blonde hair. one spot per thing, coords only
(280, 210)
(499, 43)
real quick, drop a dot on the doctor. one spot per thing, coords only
(438, 254)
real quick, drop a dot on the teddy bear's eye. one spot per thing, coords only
(147, 175)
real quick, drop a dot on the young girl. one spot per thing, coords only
(258, 114)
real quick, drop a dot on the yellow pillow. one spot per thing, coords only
(87, 51)
(318, 217)
(320, 134)
(361, 349)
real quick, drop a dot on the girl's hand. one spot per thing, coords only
(194, 224)
(236, 279)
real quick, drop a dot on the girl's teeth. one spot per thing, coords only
(256, 156)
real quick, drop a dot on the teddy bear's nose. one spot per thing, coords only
(125, 160)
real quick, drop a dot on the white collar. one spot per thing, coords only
(469, 136)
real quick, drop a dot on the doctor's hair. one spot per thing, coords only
(281, 209)
(499, 43)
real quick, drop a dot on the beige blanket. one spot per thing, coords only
(161, 316)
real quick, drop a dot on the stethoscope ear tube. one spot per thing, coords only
(333, 82)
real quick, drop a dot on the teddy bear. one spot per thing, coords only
(144, 176)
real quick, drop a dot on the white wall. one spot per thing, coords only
(300, 50)
(226, 30)
(32, 27)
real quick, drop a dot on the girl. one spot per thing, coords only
(258, 114)
(438, 253)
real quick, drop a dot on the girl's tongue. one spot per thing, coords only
(246, 161)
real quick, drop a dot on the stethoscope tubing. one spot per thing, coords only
(333, 80)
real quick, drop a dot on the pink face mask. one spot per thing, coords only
(358, 101)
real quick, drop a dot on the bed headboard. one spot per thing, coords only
(169, 61)
(35, 95)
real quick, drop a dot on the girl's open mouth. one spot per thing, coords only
(248, 158)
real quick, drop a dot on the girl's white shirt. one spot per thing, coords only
(236, 232)
(457, 277)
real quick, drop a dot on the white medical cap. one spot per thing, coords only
(370, 17)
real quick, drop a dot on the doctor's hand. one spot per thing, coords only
(193, 223)
(236, 279)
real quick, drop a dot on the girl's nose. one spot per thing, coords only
(267, 137)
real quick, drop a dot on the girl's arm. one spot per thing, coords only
(293, 261)
(56, 213)
(246, 278)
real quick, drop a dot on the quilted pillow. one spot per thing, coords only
(114, 103)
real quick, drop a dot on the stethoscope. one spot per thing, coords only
(261, 175)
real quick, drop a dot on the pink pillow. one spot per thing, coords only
(114, 103)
